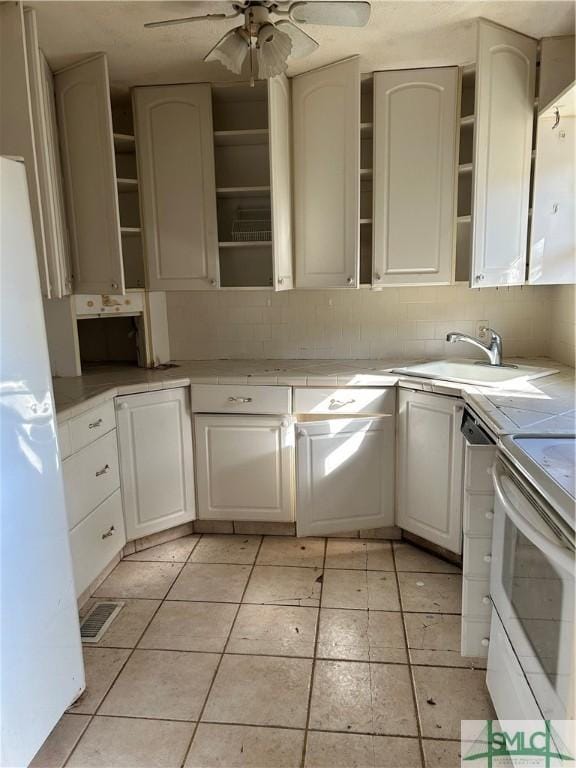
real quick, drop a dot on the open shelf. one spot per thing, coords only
(365, 221)
(366, 130)
(467, 120)
(243, 191)
(365, 173)
(127, 185)
(465, 168)
(245, 244)
(124, 142)
(130, 231)
(241, 138)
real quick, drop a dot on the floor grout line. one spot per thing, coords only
(313, 669)
(409, 664)
(195, 730)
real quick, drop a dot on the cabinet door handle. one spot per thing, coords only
(239, 399)
(102, 471)
(109, 532)
(94, 424)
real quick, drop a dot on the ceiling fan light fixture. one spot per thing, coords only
(272, 50)
(302, 43)
(231, 50)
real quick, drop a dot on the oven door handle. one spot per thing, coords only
(557, 553)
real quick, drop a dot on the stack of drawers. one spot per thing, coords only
(92, 486)
(477, 521)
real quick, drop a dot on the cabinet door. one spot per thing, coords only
(244, 467)
(345, 475)
(415, 141)
(504, 114)
(17, 135)
(326, 119)
(89, 165)
(430, 468)
(279, 121)
(156, 471)
(552, 234)
(57, 274)
(175, 150)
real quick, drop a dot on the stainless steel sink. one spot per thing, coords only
(470, 372)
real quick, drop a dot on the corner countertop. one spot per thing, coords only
(546, 405)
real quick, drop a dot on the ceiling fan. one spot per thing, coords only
(272, 42)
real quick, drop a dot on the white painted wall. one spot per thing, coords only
(354, 324)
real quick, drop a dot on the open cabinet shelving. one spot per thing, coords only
(366, 144)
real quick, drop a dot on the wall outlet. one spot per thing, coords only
(480, 332)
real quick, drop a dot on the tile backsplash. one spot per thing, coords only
(363, 324)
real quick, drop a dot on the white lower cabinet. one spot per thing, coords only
(156, 471)
(430, 462)
(96, 540)
(244, 467)
(345, 474)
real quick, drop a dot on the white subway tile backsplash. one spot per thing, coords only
(368, 324)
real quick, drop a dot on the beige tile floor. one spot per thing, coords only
(275, 652)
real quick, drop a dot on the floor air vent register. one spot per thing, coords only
(98, 619)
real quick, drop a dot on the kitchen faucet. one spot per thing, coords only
(493, 349)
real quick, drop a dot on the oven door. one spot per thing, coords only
(532, 587)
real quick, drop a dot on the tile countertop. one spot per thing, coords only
(542, 405)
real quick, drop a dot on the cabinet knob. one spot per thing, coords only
(486, 600)
(103, 471)
(114, 285)
(285, 423)
(280, 281)
(350, 280)
(479, 278)
(123, 406)
(109, 532)
(377, 276)
(489, 515)
(485, 642)
(212, 281)
(487, 558)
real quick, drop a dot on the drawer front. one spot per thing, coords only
(478, 513)
(477, 557)
(332, 400)
(88, 427)
(96, 540)
(475, 637)
(64, 442)
(90, 476)
(478, 462)
(476, 598)
(227, 398)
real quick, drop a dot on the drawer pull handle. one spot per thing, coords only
(102, 471)
(487, 558)
(94, 424)
(109, 532)
(239, 399)
(340, 403)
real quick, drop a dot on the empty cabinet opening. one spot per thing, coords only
(465, 176)
(110, 340)
(366, 145)
(128, 197)
(242, 165)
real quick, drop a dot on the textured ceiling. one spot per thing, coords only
(408, 33)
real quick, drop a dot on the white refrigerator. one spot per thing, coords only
(41, 668)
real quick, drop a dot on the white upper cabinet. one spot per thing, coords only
(279, 121)
(174, 140)
(326, 120)
(415, 140)
(56, 277)
(552, 234)
(87, 146)
(504, 113)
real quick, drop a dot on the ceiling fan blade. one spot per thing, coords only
(339, 14)
(302, 43)
(187, 19)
